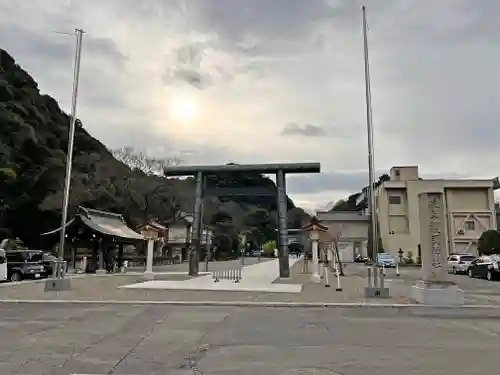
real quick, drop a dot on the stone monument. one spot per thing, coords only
(434, 288)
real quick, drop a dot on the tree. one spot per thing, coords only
(92, 184)
(297, 217)
(225, 236)
(268, 248)
(258, 225)
(140, 161)
(146, 192)
(337, 233)
(103, 183)
(489, 242)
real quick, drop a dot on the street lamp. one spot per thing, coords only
(58, 281)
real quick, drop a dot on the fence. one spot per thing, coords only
(232, 274)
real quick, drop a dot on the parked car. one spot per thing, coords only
(386, 260)
(25, 264)
(459, 263)
(485, 267)
(361, 259)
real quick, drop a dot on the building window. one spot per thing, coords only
(397, 173)
(394, 199)
(470, 225)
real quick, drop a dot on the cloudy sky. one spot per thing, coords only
(217, 81)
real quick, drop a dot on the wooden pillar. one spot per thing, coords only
(74, 249)
(120, 254)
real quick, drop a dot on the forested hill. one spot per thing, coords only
(33, 145)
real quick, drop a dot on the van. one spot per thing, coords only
(3, 266)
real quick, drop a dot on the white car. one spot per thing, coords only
(459, 263)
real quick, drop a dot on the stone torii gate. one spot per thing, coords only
(280, 170)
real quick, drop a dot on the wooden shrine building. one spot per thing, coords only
(103, 233)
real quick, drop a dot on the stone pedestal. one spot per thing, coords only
(57, 285)
(437, 293)
(377, 292)
(434, 288)
(374, 289)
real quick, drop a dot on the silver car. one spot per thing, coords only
(459, 263)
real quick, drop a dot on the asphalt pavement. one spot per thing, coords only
(64, 339)
(477, 291)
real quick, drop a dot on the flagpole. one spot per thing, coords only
(69, 156)
(371, 153)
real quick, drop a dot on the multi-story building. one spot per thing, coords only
(469, 210)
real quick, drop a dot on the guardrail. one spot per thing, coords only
(232, 274)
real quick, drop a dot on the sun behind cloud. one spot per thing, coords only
(184, 109)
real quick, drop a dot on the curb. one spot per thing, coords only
(258, 304)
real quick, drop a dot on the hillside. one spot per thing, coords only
(33, 145)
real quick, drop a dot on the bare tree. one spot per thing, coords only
(140, 161)
(335, 238)
(151, 195)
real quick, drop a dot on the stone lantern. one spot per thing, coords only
(314, 229)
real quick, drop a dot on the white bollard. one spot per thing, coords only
(383, 269)
(327, 283)
(397, 269)
(337, 274)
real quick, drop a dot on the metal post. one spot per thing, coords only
(242, 247)
(371, 153)
(207, 249)
(397, 269)
(69, 156)
(327, 282)
(194, 249)
(282, 225)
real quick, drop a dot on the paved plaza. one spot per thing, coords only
(109, 288)
(257, 277)
(63, 339)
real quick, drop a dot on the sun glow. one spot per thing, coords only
(184, 109)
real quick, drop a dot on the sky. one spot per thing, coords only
(218, 81)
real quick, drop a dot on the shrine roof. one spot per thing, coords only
(106, 223)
